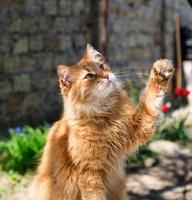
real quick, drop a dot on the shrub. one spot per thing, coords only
(137, 160)
(22, 151)
(175, 131)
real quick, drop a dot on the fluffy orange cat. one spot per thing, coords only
(85, 149)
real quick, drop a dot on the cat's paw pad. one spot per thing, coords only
(163, 69)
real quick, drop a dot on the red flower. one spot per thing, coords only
(182, 92)
(178, 91)
(185, 92)
(165, 108)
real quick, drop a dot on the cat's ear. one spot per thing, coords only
(93, 55)
(64, 75)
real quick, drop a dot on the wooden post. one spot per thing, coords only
(94, 21)
(178, 51)
(162, 25)
(103, 26)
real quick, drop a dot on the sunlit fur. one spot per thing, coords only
(89, 96)
(85, 149)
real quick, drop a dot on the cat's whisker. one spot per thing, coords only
(100, 86)
(135, 75)
(132, 78)
(132, 74)
(131, 71)
(130, 67)
(129, 76)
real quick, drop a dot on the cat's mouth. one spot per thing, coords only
(107, 81)
(104, 83)
(106, 86)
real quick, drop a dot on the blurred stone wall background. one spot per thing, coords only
(143, 30)
(36, 35)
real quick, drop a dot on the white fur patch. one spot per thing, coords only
(158, 100)
(155, 101)
(112, 77)
(167, 74)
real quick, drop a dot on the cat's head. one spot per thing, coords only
(89, 80)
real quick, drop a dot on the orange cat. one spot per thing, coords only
(85, 149)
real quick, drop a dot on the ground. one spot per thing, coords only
(168, 179)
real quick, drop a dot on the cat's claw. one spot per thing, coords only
(163, 69)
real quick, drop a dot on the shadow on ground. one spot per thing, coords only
(171, 179)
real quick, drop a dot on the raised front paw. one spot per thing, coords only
(163, 70)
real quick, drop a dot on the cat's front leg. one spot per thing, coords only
(91, 186)
(157, 86)
(145, 116)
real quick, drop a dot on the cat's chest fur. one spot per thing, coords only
(98, 142)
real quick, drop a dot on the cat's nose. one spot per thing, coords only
(106, 75)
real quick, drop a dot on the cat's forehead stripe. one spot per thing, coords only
(91, 67)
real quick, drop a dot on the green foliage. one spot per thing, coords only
(133, 91)
(143, 153)
(175, 131)
(22, 151)
(15, 177)
(138, 158)
(2, 191)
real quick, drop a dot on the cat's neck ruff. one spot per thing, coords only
(97, 108)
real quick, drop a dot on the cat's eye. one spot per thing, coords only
(90, 76)
(101, 66)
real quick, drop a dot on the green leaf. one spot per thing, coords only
(23, 150)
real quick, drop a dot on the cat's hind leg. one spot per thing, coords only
(39, 190)
(92, 187)
(116, 188)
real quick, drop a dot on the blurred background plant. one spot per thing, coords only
(175, 131)
(22, 151)
(133, 90)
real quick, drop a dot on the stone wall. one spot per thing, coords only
(142, 31)
(134, 35)
(36, 35)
